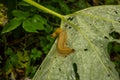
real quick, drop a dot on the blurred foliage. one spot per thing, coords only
(26, 34)
(3, 15)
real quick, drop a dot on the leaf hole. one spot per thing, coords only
(115, 12)
(69, 27)
(113, 48)
(86, 49)
(70, 18)
(108, 75)
(75, 67)
(75, 70)
(115, 35)
(66, 25)
(106, 37)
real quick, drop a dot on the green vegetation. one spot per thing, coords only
(25, 37)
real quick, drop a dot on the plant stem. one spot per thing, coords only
(44, 8)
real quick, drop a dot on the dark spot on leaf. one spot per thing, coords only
(70, 18)
(106, 37)
(108, 75)
(66, 25)
(70, 27)
(59, 69)
(86, 49)
(115, 12)
(115, 35)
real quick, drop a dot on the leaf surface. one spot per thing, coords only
(19, 13)
(35, 23)
(88, 33)
(13, 24)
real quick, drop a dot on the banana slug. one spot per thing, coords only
(61, 43)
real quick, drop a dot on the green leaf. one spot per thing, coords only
(46, 43)
(23, 59)
(22, 3)
(35, 23)
(109, 1)
(8, 67)
(64, 7)
(13, 24)
(51, 39)
(9, 52)
(39, 19)
(48, 28)
(19, 13)
(14, 60)
(35, 54)
(31, 70)
(43, 41)
(88, 34)
(81, 4)
(53, 8)
(47, 48)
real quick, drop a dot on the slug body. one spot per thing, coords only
(61, 44)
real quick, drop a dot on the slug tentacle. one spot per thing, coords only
(57, 32)
(61, 44)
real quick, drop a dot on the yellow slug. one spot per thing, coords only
(61, 43)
